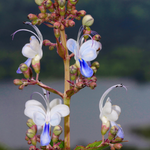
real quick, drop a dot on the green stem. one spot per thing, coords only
(66, 88)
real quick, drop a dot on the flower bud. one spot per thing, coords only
(117, 139)
(23, 67)
(104, 129)
(34, 128)
(42, 15)
(30, 133)
(118, 146)
(51, 8)
(32, 148)
(112, 133)
(39, 2)
(27, 74)
(56, 146)
(94, 79)
(93, 85)
(57, 130)
(53, 16)
(87, 20)
(30, 123)
(21, 87)
(112, 148)
(73, 69)
(62, 10)
(96, 37)
(42, 9)
(71, 23)
(94, 69)
(48, 3)
(29, 142)
(36, 21)
(56, 25)
(81, 13)
(96, 64)
(78, 18)
(74, 12)
(73, 1)
(61, 3)
(46, 42)
(80, 85)
(32, 17)
(18, 82)
(51, 47)
(57, 33)
(33, 140)
(26, 138)
(55, 138)
(73, 77)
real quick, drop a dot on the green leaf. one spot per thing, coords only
(79, 147)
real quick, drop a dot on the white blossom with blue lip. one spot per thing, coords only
(84, 52)
(110, 113)
(46, 117)
(33, 50)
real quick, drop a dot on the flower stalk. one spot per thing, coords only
(66, 88)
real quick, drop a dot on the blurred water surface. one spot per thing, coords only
(85, 122)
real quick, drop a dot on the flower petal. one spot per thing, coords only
(107, 107)
(30, 110)
(88, 50)
(116, 108)
(72, 45)
(113, 116)
(55, 119)
(85, 69)
(34, 103)
(62, 109)
(38, 118)
(28, 52)
(55, 102)
(45, 136)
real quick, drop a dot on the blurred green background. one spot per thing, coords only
(122, 24)
(124, 28)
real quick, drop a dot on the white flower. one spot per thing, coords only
(33, 50)
(110, 113)
(46, 117)
(84, 52)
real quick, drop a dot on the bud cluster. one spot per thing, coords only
(78, 81)
(113, 140)
(58, 14)
(31, 136)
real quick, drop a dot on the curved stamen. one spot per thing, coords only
(40, 95)
(24, 30)
(38, 32)
(106, 92)
(81, 39)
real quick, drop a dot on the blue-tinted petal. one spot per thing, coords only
(45, 137)
(120, 132)
(18, 71)
(85, 69)
(28, 62)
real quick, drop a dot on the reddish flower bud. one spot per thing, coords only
(21, 87)
(94, 79)
(48, 3)
(56, 25)
(32, 17)
(81, 13)
(74, 11)
(80, 85)
(96, 37)
(18, 82)
(118, 145)
(71, 23)
(42, 9)
(62, 11)
(53, 16)
(32, 148)
(73, 1)
(42, 15)
(51, 8)
(92, 85)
